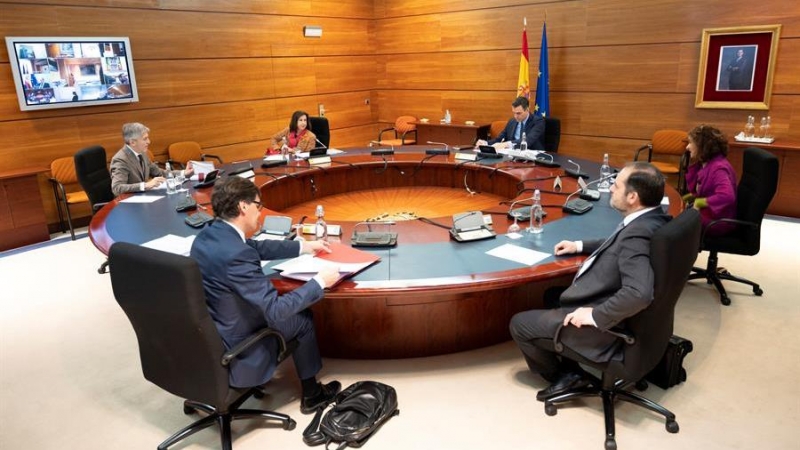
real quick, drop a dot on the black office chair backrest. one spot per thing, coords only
(320, 127)
(756, 188)
(673, 250)
(179, 346)
(552, 134)
(93, 176)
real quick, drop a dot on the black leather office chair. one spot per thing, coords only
(756, 189)
(552, 134)
(179, 346)
(93, 176)
(321, 128)
(673, 249)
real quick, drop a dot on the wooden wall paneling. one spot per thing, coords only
(339, 37)
(626, 23)
(344, 73)
(404, 36)
(787, 79)
(357, 136)
(293, 76)
(387, 8)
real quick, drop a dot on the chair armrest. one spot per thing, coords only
(384, 130)
(649, 148)
(206, 155)
(403, 137)
(734, 221)
(247, 343)
(622, 334)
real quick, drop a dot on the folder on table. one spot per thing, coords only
(350, 261)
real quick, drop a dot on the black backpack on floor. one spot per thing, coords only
(357, 413)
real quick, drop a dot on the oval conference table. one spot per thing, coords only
(429, 295)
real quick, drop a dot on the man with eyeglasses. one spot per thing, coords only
(242, 300)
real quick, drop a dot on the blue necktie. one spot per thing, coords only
(518, 131)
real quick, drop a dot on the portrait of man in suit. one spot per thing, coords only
(736, 64)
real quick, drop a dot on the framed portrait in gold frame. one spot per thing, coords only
(736, 67)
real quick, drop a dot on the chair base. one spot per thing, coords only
(610, 393)
(713, 275)
(223, 420)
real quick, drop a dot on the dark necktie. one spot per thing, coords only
(141, 166)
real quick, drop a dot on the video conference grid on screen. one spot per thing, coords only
(63, 72)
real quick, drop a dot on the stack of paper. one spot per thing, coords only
(349, 260)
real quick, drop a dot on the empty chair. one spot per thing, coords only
(753, 195)
(552, 134)
(91, 169)
(62, 171)
(669, 147)
(179, 346)
(320, 127)
(180, 153)
(673, 249)
(403, 128)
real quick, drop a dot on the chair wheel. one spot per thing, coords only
(611, 444)
(641, 385)
(290, 425)
(550, 409)
(259, 394)
(757, 290)
(672, 426)
(188, 410)
(725, 300)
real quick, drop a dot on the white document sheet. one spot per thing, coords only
(171, 243)
(518, 254)
(331, 151)
(142, 199)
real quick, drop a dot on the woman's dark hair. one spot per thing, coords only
(710, 142)
(647, 181)
(295, 117)
(227, 194)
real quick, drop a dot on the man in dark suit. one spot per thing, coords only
(522, 122)
(131, 167)
(614, 283)
(242, 300)
(739, 72)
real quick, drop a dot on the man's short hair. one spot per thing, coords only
(521, 101)
(647, 181)
(134, 130)
(227, 194)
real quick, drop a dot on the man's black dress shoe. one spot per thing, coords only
(567, 382)
(308, 405)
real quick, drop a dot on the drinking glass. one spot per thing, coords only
(179, 180)
(514, 227)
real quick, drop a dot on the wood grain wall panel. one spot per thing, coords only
(388, 8)
(787, 81)
(315, 8)
(293, 76)
(621, 22)
(345, 73)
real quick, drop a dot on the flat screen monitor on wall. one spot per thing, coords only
(65, 72)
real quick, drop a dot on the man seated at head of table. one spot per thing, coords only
(131, 168)
(523, 122)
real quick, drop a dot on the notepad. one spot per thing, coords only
(350, 261)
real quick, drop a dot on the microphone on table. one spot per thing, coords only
(333, 160)
(577, 172)
(438, 151)
(581, 205)
(383, 152)
(371, 238)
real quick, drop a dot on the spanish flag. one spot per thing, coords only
(524, 83)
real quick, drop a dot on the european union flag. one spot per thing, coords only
(542, 105)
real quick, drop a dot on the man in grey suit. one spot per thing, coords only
(614, 283)
(131, 167)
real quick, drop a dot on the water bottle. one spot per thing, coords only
(170, 179)
(762, 130)
(320, 228)
(605, 176)
(284, 149)
(750, 128)
(537, 214)
(447, 116)
(768, 128)
(523, 143)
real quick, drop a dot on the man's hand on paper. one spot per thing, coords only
(329, 274)
(312, 247)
